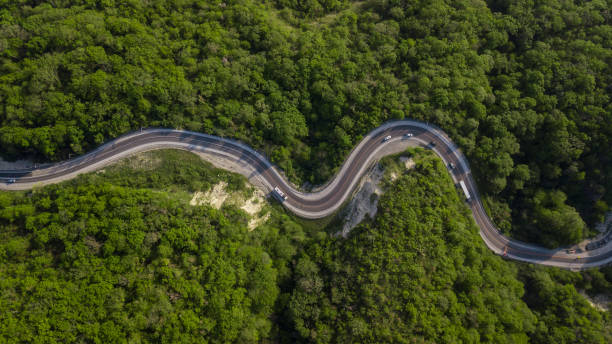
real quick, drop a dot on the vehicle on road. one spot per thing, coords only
(451, 165)
(570, 251)
(594, 245)
(599, 243)
(387, 138)
(10, 181)
(408, 135)
(432, 144)
(281, 196)
(465, 190)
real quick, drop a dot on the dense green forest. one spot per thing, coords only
(120, 256)
(524, 87)
(419, 273)
(107, 259)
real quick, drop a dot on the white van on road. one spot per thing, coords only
(281, 196)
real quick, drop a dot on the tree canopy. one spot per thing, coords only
(121, 256)
(523, 87)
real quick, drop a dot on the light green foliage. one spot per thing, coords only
(106, 263)
(170, 170)
(91, 261)
(312, 8)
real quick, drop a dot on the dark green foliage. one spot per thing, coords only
(557, 222)
(417, 273)
(565, 316)
(91, 261)
(420, 273)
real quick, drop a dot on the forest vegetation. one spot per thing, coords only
(523, 87)
(119, 256)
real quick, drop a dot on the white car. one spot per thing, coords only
(408, 135)
(11, 181)
(387, 138)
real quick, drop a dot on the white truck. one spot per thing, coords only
(465, 190)
(281, 196)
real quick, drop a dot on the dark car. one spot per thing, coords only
(595, 245)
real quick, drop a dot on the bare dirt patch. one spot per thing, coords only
(258, 220)
(408, 162)
(217, 196)
(253, 206)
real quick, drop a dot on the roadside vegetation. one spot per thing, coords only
(522, 86)
(120, 255)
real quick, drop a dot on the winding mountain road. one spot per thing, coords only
(329, 198)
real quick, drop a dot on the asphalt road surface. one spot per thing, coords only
(332, 196)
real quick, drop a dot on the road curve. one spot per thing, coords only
(328, 199)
